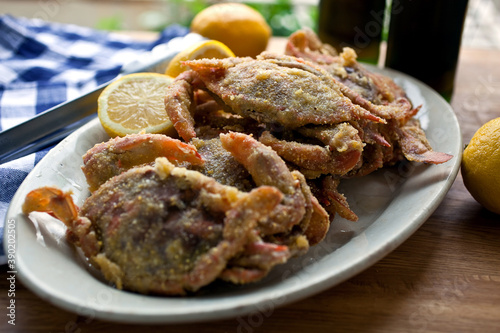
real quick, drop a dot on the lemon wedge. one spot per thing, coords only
(210, 49)
(135, 103)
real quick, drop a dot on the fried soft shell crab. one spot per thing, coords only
(165, 229)
(266, 143)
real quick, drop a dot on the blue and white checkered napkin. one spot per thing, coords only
(43, 64)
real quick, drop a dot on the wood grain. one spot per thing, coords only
(444, 278)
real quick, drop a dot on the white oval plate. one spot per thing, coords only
(391, 204)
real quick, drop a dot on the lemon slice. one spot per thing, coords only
(135, 103)
(205, 49)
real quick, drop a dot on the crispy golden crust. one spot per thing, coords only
(170, 230)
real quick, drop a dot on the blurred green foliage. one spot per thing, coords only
(283, 18)
(114, 22)
(282, 15)
(184, 11)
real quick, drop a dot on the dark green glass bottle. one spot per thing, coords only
(424, 40)
(354, 23)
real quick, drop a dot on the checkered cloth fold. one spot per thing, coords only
(43, 64)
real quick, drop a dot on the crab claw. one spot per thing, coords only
(263, 163)
(267, 168)
(51, 200)
(60, 204)
(108, 159)
(299, 207)
(342, 154)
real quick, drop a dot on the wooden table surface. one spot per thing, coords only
(444, 278)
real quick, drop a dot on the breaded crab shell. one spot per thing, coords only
(163, 229)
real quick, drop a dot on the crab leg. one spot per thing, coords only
(400, 109)
(316, 221)
(108, 159)
(371, 132)
(314, 157)
(305, 44)
(178, 104)
(337, 200)
(258, 259)
(260, 254)
(415, 146)
(373, 158)
(341, 138)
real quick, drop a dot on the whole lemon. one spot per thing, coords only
(243, 29)
(481, 166)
